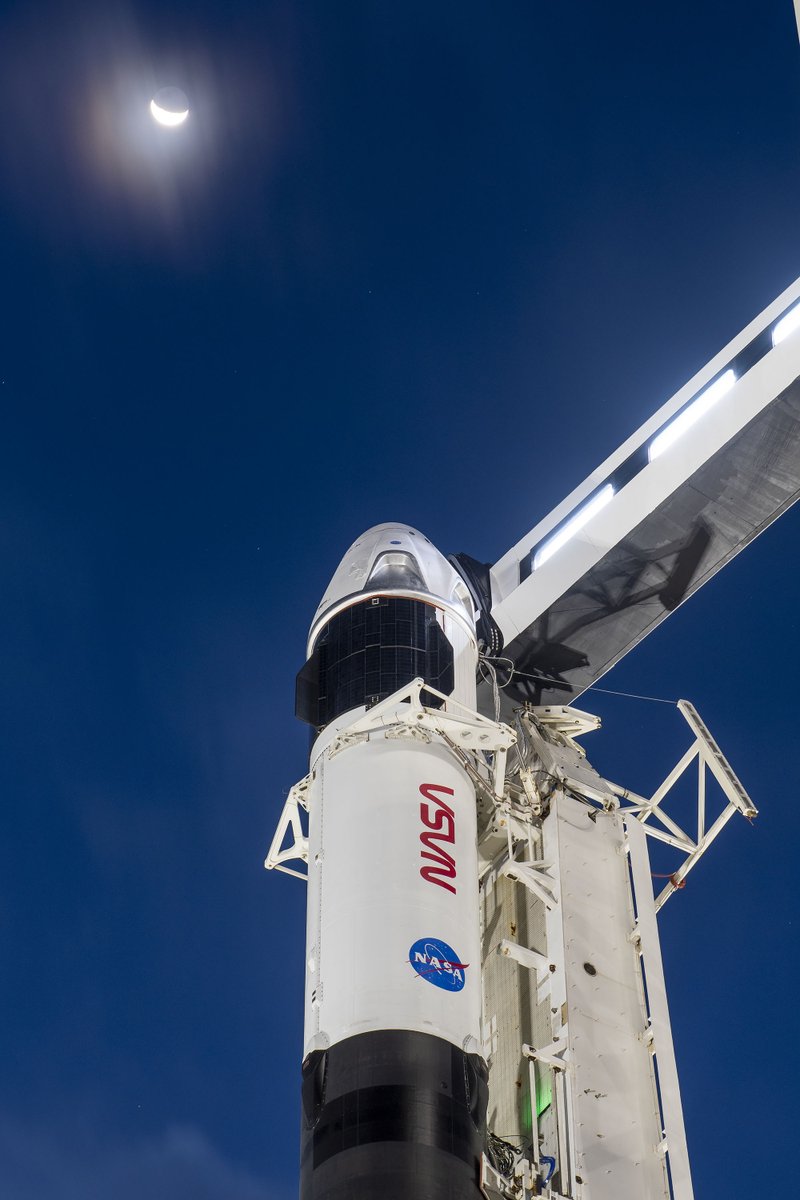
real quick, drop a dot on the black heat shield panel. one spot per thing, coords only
(367, 652)
(666, 558)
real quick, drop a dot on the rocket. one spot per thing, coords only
(407, 804)
(394, 1083)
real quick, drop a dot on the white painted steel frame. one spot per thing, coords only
(607, 1090)
(598, 901)
(517, 604)
(466, 732)
(646, 931)
(291, 822)
(709, 758)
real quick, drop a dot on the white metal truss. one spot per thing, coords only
(709, 758)
(463, 729)
(480, 745)
(290, 822)
(586, 1045)
(645, 938)
(536, 876)
(585, 1104)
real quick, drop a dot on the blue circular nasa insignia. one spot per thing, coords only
(438, 963)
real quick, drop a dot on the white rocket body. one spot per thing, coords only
(394, 1086)
(393, 937)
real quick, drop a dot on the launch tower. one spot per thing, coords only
(507, 1034)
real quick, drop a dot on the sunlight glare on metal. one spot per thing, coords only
(788, 324)
(692, 413)
(582, 516)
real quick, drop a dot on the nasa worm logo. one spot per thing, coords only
(440, 822)
(438, 963)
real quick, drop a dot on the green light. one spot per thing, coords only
(544, 1091)
(527, 1124)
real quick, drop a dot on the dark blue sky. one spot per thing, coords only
(424, 262)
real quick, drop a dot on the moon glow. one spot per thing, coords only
(169, 107)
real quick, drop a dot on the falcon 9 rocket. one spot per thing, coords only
(394, 1084)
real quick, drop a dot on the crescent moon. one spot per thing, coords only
(165, 117)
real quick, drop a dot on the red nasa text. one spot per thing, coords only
(440, 830)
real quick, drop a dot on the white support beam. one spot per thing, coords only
(673, 777)
(531, 960)
(709, 758)
(669, 824)
(535, 877)
(717, 762)
(683, 844)
(551, 1055)
(676, 881)
(647, 930)
(701, 799)
(464, 730)
(290, 823)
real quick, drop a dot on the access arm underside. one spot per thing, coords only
(690, 489)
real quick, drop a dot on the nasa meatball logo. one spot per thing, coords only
(437, 963)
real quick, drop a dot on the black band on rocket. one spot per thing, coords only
(405, 1105)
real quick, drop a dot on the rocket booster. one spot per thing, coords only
(393, 1081)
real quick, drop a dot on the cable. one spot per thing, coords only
(484, 665)
(501, 1154)
(677, 883)
(631, 695)
(551, 1162)
(592, 687)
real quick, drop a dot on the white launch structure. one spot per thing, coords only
(451, 826)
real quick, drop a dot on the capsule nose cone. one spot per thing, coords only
(387, 549)
(394, 558)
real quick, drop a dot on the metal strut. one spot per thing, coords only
(582, 1066)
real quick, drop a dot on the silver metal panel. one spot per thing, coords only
(516, 1010)
(610, 1078)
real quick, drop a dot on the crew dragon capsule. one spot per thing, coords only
(394, 1084)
